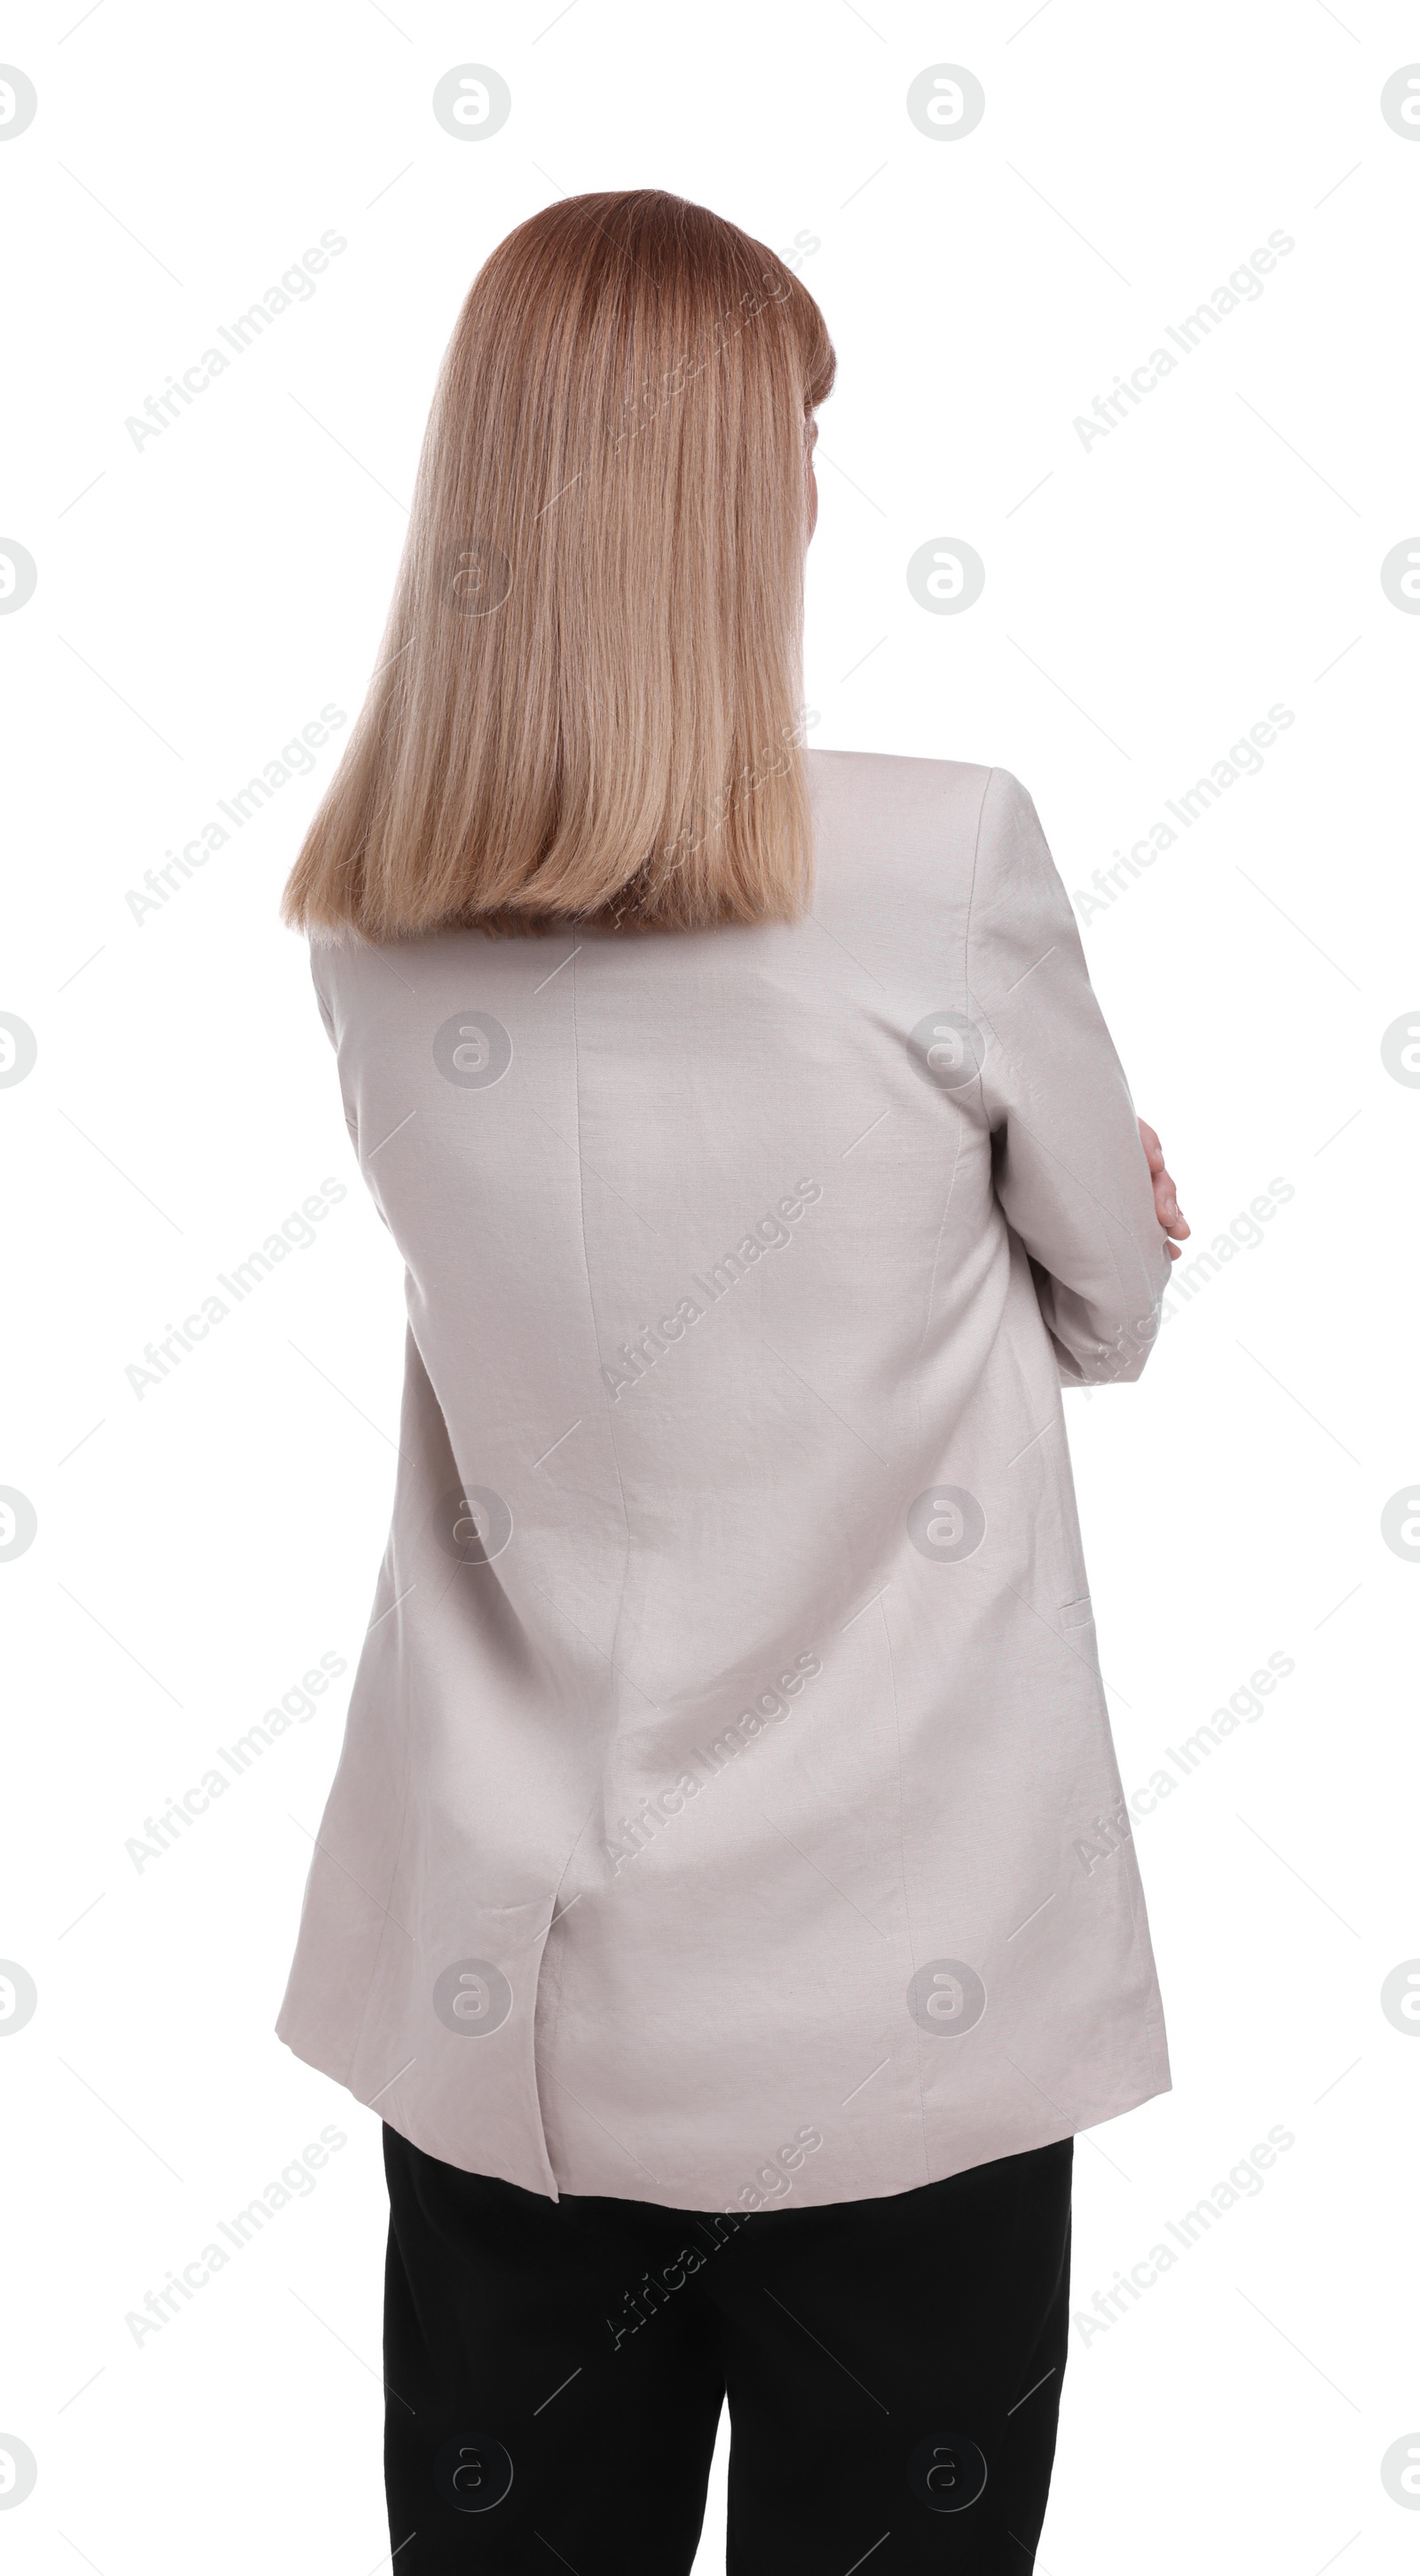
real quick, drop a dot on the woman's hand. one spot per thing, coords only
(1170, 1215)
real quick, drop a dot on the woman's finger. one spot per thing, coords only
(1166, 1206)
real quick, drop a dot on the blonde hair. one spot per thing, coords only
(587, 705)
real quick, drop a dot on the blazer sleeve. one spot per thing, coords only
(327, 1011)
(1069, 1167)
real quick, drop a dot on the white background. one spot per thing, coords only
(1147, 599)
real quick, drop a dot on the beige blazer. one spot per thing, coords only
(727, 1811)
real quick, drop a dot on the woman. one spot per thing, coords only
(727, 1827)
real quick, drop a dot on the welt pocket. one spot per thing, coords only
(1077, 1614)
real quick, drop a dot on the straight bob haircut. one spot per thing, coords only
(587, 705)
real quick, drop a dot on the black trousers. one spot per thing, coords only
(555, 2372)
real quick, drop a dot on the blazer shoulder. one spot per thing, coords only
(900, 813)
(897, 780)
